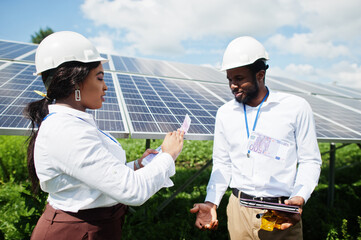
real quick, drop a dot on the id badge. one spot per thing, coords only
(267, 146)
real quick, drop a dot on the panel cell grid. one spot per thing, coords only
(12, 50)
(15, 82)
(200, 72)
(17, 85)
(335, 118)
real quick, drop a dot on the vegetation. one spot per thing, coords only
(37, 37)
(19, 210)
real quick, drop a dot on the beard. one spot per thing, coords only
(249, 93)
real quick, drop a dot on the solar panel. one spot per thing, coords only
(147, 98)
(13, 50)
(200, 73)
(321, 89)
(30, 57)
(145, 67)
(17, 85)
(336, 116)
(166, 69)
(333, 117)
(154, 108)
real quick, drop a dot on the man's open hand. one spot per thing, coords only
(206, 215)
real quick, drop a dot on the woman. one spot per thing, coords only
(83, 169)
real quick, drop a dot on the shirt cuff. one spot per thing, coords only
(130, 165)
(171, 164)
(302, 192)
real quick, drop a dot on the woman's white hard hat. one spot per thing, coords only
(65, 46)
(243, 51)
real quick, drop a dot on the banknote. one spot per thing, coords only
(185, 126)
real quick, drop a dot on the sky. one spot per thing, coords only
(312, 40)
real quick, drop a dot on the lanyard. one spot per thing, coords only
(255, 121)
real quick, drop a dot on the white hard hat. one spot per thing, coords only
(243, 51)
(65, 46)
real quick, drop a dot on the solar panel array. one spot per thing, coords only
(147, 98)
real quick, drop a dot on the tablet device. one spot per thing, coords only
(268, 206)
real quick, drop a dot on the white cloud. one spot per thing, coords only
(313, 35)
(334, 20)
(160, 27)
(300, 72)
(342, 73)
(307, 45)
(347, 74)
(103, 43)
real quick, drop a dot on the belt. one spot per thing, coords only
(235, 192)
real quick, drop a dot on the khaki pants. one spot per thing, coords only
(243, 224)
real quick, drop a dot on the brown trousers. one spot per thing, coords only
(98, 223)
(243, 224)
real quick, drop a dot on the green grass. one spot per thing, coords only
(19, 210)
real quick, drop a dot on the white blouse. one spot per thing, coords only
(82, 167)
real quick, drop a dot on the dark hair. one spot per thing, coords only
(257, 66)
(63, 80)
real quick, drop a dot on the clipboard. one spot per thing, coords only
(268, 206)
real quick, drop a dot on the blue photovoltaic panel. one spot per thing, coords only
(16, 90)
(344, 91)
(154, 96)
(201, 108)
(158, 105)
(160, 68)
(119, 64)
(353, 103)
(144, 67)
(275, 85)
(220, 90)
(321, 89)
(166, 69)
(335, 117)
(30, 58)
(200, 73)
(12, 50)
(17, 85)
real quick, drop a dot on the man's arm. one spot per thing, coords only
(218, 183)
(308, 154)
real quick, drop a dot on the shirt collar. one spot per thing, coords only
(71, 111)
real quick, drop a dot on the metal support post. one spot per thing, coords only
(147, 144)
(331, 176)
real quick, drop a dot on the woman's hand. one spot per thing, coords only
(173, 143)
(146, 153)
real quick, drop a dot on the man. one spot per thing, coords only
(265, 148)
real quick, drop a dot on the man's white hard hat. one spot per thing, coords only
(65, 46)
(243, 51)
